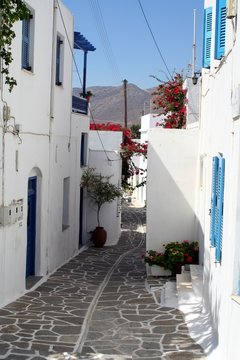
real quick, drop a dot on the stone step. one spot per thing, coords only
(183, 278)
(170, 294)
(184, 288)
(196, 272)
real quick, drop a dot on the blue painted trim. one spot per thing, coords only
(207, 37)
(213, 199)
(31, 226)
(25, 44)
(220, 29)
(219, 210)
(58, 60)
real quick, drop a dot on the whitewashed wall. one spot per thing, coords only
(193, 102)
(220, 133)
(49, 149)
(110, 214)
(172, 158)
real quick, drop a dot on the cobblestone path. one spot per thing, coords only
(97, 307)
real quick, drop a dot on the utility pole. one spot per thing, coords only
(125, 102)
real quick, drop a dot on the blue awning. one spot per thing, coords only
(81, 43)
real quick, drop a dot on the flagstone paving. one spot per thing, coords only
(97, 306)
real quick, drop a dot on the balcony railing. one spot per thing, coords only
(79, 105)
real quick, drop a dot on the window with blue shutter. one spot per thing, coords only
(58, 79)
(217, 201)
(219, 208)
(220, 31)
(207, 37)
(213, 199)
(26, 44)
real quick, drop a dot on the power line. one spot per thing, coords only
(154, 39)
(69, 43)
(103, 35)
(75, 63)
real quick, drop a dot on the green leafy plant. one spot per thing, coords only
(180, 252)
(10, 12)
(99, 189)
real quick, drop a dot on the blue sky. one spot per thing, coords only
(132, 54)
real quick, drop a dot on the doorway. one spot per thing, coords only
(31, 226)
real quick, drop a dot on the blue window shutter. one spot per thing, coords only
(207, 37)
(219, 209)
(213, 199)
(220, 29)
(58, 59)
(25, 44)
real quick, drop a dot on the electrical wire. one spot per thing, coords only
(103, 35)
(154, 39)
(78, 73)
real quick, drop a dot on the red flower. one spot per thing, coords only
(189, 259)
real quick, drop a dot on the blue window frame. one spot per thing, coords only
(58, 79)
(217, 202)
(26, 37)
(207, 37)
(220, 30)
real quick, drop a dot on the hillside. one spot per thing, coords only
(107, 103)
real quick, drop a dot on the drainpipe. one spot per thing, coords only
(51, 116)
(53, 66)
(4, 126)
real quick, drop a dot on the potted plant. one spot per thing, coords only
(180, 253)
(100, 191)
(175, 255)
(155, 262)
(87, 95)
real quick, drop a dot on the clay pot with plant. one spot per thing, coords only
(100, 191)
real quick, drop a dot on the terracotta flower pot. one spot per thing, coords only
(99, 236)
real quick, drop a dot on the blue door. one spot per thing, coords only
(31, 226)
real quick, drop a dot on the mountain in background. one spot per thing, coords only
(107, 103)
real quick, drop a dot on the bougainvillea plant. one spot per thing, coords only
(170, 97)
(129, 148)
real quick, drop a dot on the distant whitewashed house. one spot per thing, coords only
(105, 158)
(43, 148)
(194, 180)
(148, 121)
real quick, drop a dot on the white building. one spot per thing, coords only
(218, 190)
(194, 177)
(41, 149)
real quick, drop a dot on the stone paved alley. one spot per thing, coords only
(97, 307)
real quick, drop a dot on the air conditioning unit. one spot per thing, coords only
(231, 9)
